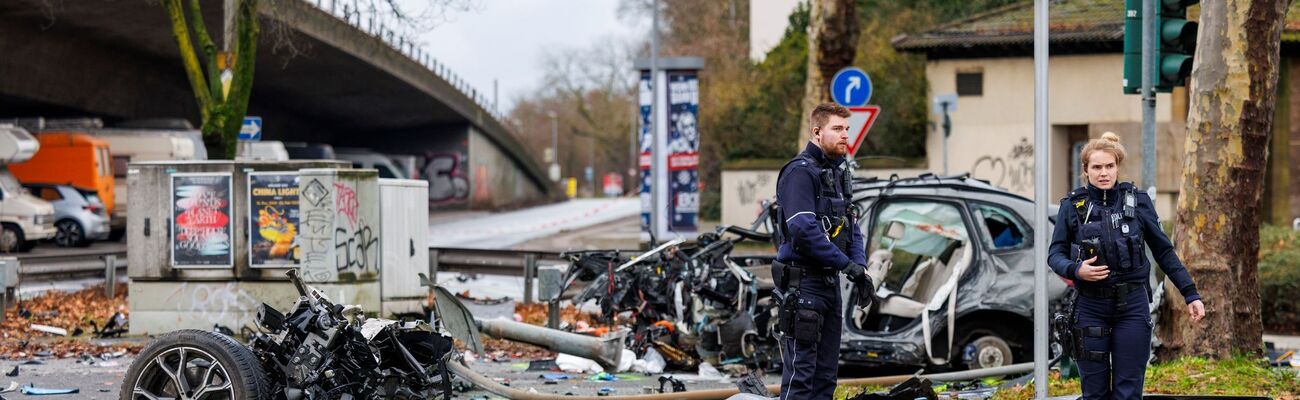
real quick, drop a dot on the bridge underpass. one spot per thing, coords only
(318, 78)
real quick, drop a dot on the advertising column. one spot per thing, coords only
(670, 186)
(683, 151)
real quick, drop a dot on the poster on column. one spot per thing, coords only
(273, 215)
(683, 150)
(646, 96)
(201, 224)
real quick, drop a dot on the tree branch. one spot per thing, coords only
(209, 50)
(180, 30)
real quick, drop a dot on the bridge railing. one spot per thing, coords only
(367, 22)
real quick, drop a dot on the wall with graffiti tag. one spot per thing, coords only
(339, 216)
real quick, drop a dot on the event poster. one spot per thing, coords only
(683, 150)
(273, 215)
(647, 144)
(201, 223)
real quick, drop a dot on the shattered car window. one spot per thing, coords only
(1003, 229)
(930, 230)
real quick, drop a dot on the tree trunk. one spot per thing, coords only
(220, 114)
(832, 38)
(1233, 91)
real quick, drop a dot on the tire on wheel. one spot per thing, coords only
(70, 234)
(12, 239)
(985, 346)
(211, 365)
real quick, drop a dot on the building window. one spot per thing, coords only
(970, 83)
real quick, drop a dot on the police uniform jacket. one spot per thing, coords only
(810, 202)
(1123, 236)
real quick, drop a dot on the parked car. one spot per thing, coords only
(265, 150)
(73, 159)
(80, 217)
(309, 151)
(25, 219)
(366, 158)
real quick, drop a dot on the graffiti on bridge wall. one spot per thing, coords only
(1014, 172)
(448, 180)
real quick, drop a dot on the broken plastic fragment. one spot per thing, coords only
(39, 391)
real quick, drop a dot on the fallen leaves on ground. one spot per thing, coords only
(67, 310)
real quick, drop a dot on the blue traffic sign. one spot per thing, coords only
(251, 130)
(851, 87)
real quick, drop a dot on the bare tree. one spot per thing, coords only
(1233, 91)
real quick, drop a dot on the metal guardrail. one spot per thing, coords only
(494, 262)
(63, 266)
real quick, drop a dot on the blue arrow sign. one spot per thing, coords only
(251, 130)
(851, 87)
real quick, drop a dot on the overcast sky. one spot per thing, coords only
(505, 39)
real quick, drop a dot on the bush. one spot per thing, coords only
(1279, 279)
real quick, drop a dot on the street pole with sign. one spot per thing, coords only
(943, 105)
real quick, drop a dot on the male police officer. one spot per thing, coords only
(821, 239)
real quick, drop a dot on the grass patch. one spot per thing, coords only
(1239, 376)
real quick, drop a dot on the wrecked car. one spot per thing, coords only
(956, 259)
(319, 350)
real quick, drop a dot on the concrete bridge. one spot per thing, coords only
(322, 75)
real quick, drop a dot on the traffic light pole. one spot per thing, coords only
(1149, 20)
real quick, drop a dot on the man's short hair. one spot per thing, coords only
(824, 111)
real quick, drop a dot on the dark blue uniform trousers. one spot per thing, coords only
(810, 368)
(1129, 345)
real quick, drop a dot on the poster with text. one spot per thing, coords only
(201, 224)
(683, 150)
(646, 96)
(273, 216)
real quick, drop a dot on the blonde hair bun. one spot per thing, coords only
(1110, 137)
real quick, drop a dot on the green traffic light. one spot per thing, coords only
(1178, 33)
(1174, 68)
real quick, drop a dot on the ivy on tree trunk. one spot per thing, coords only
(1232, 94)
(220, 114)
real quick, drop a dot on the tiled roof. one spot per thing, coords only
(1089, 24)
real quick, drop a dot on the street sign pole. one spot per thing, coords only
(1149, 96)
(658, 207)
(943, 105)
(1041, 168)
(947, 130)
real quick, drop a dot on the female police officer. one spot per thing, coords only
(1099, 243)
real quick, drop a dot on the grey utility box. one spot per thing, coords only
(404, 215)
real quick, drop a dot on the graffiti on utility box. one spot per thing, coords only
(339, 232)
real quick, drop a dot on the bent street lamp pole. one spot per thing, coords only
(1041, 167)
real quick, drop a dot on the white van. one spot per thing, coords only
(25, 219)
(135, 145)
(366, 158)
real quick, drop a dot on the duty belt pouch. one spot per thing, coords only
(807, 325)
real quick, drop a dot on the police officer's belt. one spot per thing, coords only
(1119, 290)
(812, 271)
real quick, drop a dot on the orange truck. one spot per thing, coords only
(74, 159)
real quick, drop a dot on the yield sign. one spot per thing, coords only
(859, 123)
